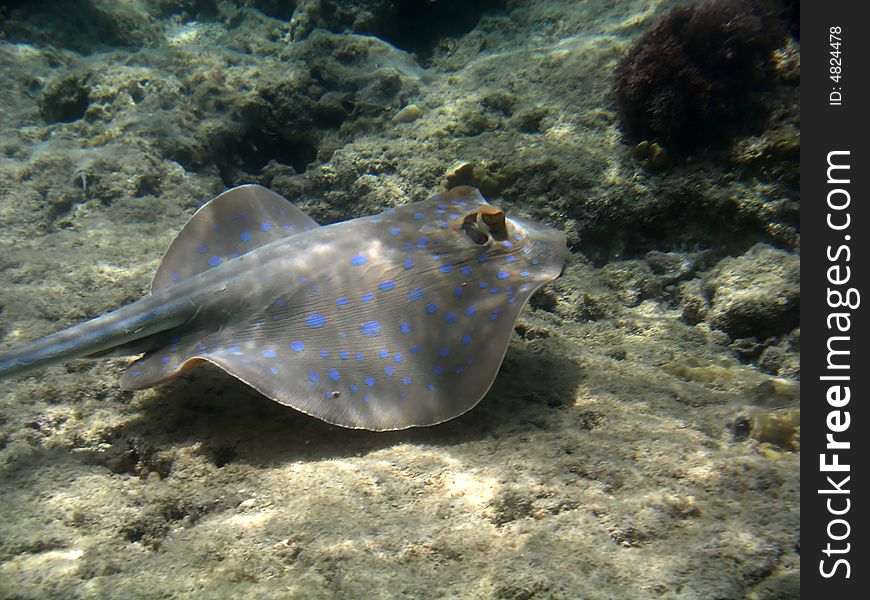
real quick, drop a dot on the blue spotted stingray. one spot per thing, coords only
(390, 321)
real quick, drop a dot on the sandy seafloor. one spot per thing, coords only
(641, 439)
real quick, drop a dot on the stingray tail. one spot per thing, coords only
(128, 330)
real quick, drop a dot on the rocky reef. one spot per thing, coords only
(642, 437)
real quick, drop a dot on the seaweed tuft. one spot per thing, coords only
(687, 81)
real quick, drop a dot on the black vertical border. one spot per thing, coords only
(826, 128)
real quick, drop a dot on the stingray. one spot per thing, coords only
(390, 321)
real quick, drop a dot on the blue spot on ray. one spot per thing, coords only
(450, 317)
(314, 376)
(466, 340)
(266, 226)
(273, 370)
(334, 375)
(388, 370)
(465, 271)
(370, 381)
(431, 308)
(175, 276)
(503, 275)
(395, 231)
(397, 358)
(416, 348)
(245, 236)
(469, 312)
(367, 297)
(202, 249)
(370, 328)
(324, 354)
(214, 261)
(445, 268)
(405, 328)
(269, 353)
(384, 354)
(409, 263)
(443, 351)
(415, 294)
(387, 286)
(358, 260)
(344, 355)
(341, 301)
(359, 357)
(297, 346)
(315, 320)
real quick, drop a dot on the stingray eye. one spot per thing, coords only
(473, 233)
(493, 222)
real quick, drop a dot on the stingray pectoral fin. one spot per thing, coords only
(227, 226)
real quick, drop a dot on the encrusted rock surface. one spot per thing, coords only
(603, 462)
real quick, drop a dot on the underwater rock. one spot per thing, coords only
(670, 266)
(530, 120)
(651, 156)
(783, 359)
(65, 99)
(780, 427)
(755, 295)
(475, 175)
(690, 298)
(84, 26)
(632, 280)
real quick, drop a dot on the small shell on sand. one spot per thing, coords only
(412, 112)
